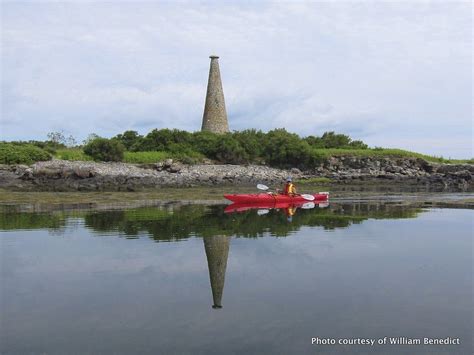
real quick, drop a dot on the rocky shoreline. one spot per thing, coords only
(61, 175)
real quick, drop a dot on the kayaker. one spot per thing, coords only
(290, 188)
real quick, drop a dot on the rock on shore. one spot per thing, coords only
(61, 175)
(405, 170)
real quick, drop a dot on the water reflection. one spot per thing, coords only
(217, 252)
(174, 222)
(385, 275)
(215, 224)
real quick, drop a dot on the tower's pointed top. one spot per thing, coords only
(213, 56)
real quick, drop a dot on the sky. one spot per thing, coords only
(393, 74)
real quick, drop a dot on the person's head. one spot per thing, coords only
(289, 179)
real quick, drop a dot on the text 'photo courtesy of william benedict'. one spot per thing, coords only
(396, 341)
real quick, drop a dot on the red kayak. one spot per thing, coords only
(270, 198)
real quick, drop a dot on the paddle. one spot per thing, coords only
(262, 187)
(305, 196)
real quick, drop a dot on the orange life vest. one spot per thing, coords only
(290, 189)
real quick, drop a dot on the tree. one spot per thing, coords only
(90, 138)
(358, 145)
(57, 138)
(129, 138)
(71, 141)
(332, 140)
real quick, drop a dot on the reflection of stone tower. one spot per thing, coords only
(217, 251)
(215, 116)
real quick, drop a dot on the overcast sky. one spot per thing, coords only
(394, 74)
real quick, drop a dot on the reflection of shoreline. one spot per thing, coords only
(217, 252)
(84, 202)
(177, 221)
(101, 206)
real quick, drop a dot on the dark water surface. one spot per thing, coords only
(182, 279)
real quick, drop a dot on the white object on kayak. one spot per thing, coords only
(308, 205)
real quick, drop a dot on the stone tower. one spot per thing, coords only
(214, 118)
(217, 251)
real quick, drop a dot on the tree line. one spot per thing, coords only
(278, 147)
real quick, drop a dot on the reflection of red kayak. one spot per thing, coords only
(241, 207)
(273, 198)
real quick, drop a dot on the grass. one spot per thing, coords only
(145, 157)
(317, 180)
(72, 154)
(386, 152)
(76, 154)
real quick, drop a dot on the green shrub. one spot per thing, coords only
(103, 149)
(284, 149)
(129, 139)
(332, 140)
(159, 140)
(251, 141)
(21, 154)
(205, 143)
(358, 145)
(47, 146)
(229, 150)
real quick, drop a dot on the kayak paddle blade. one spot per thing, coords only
(262, 187)
(308, 197)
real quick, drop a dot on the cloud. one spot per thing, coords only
(371, 70)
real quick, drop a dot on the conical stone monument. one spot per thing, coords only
(217, 251)
(214, 118)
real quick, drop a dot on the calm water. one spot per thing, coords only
(182, 279)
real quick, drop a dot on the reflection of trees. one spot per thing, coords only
(22, 220)
(200, 220)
